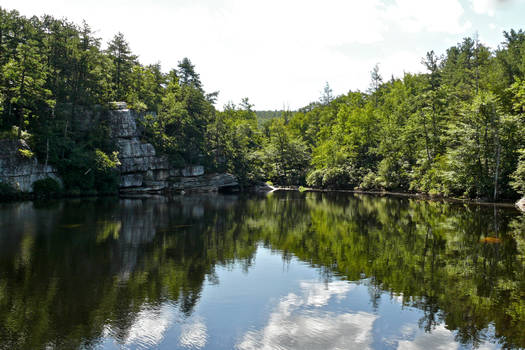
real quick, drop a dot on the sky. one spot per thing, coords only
(281, 53)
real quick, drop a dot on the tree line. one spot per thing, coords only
(454, 130)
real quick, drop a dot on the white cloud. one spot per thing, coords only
(484, 7)
(399, 62)
(443, 16)
(272, 51)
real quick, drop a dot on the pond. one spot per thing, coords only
(287, 270)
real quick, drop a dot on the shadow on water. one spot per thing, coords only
(72, 271)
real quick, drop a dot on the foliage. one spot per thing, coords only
(518, 177)
(46, 188)
(285, 158)
(105, 163)
(455, 130)
(264, 116)
(26, 153)
(7, 192)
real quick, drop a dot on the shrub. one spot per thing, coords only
(335, 178)
(47, 187)
(7, 192)
(12, 134)
(26, 153)
(393, 174)
(370, 182)
(315, 179)
(139, 106)
(106, 174)
(434, 178)
(74, 192)
(106, 163)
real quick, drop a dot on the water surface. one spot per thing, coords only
(283, 271)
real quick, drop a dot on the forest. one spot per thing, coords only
(456, 130)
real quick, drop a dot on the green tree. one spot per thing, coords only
(285, 158)
(26, 77)
(123, 61)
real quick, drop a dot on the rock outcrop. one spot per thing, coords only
(203, 183)
(19, 168)
(521, 204)
(140, 167)
(143, 171)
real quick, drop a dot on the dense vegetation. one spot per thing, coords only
(456, 130)
(264, 116)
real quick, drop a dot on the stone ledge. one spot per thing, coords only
(521, 204)
(205, 183)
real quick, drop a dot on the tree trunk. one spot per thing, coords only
(20, 109)
(47, 152)
(426, 136)
(498, 151)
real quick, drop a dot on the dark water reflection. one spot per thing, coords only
(290, 270)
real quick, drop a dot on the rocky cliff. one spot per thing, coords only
(19, 168)
(142, 170)
(140, 167)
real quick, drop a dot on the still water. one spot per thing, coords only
(279, 271)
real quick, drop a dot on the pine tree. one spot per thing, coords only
(123, 62)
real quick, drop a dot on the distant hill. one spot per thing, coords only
(263, 116)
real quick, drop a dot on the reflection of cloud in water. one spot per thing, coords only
(318, 294)
(295, 325)
(193, 335)
(149, 327)
(440, 339)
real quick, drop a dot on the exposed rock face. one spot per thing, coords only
(521, 204)
(204, 183)
(195, 170)
(140, 167)
(143, 171)
(20, 171)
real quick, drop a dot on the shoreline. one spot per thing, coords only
(506, 204)
(269, 189)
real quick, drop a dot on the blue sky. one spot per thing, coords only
(281, 52)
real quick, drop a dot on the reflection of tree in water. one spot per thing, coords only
(94, 265)
(70, 273)
(434, 255)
